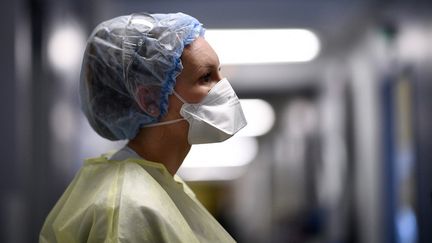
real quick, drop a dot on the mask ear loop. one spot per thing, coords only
(164, 123)
(179, 97)
(172, 121)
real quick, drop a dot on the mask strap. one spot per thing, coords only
(172, 121)
(164, 123)
(179, 97)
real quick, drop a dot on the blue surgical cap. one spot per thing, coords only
(131, 60)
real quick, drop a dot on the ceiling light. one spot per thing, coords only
(66, 47)
(259, 115)
(254, 46)
(236, 151)
(219, 161)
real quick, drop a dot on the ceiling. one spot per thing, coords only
(334, 21)
(338, 24)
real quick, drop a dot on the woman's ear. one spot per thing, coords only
(147, 97)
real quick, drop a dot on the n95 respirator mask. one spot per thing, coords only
(215, 119)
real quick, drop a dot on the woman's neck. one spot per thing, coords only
(163, 145)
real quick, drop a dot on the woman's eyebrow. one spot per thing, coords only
(209, 66)
(200, 68)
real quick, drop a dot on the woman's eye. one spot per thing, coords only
(206, 77)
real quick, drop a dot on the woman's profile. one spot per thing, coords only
(154, 80)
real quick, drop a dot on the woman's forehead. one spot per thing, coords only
(200, 53)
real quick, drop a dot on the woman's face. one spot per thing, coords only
(201, 71)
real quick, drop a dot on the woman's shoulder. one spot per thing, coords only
(101, 185)
(106, 193)
(111, 178)
(130, 182)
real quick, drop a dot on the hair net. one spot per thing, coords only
(129, 69)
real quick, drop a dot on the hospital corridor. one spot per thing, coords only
(337, 96)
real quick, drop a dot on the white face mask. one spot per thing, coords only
(215, 119)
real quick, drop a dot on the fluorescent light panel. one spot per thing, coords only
(65, 47)
(211, 173)
(255, 46)
(236, 151)
(260, 117)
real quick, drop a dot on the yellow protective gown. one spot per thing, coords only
(128, 199)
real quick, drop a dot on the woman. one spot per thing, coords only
(154, 80)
